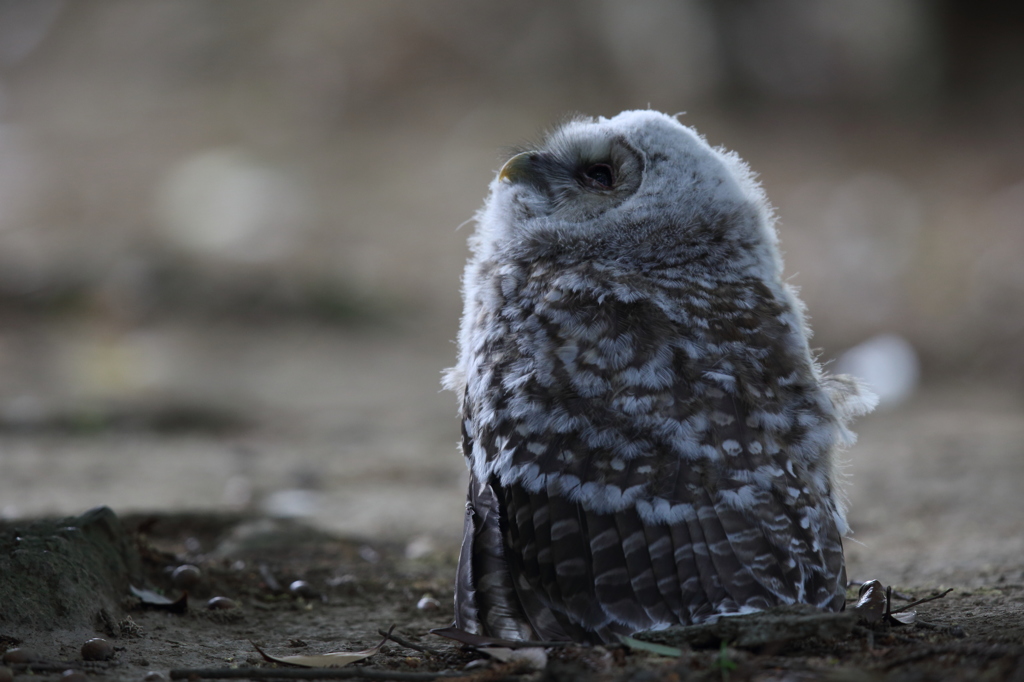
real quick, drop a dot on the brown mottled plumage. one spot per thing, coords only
(649, 440)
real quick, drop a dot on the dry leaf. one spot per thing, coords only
(158, 601)
(651, 647)
(150, 597)
(334, 659)
(904, 617)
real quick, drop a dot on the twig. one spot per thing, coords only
(921, 601)
(401, 641)
(56, 666)
(307, 674)
(954, 630)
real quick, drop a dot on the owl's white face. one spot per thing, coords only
(638, 178)
(579, 173)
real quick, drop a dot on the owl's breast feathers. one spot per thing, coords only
(620, 385)
(645, 450)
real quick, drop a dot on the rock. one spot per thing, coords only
(16, 656)
(186, 576)
(97, 649)
(301, 588)
(221, 604)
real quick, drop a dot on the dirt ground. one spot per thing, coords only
(358, 492)
(354, 589)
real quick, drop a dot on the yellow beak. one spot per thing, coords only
(517, 168)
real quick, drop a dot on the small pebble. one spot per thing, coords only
(71, 675)
(186, 576)
(221, 604)
(369, 554)
(154, 676)
(301, 588)
(15, 656)
(428, 603)
(6, 674)
(97, 649)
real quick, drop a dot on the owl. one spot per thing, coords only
(649, 440)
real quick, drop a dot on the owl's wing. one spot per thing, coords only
(486, 600)
(484, 595)
(621, 572)
(640, 484)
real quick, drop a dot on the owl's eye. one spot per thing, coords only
(599, 176)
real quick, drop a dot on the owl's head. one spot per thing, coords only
(639, 184)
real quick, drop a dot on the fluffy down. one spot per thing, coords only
(650, 442)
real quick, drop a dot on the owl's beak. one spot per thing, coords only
(518, 168)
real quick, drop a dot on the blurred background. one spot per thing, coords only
(232, 232)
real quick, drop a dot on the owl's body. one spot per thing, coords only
(649, 440)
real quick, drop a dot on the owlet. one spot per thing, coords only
(650, 442)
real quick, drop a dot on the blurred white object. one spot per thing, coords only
(887, 363)
(291, 504)
(419, 547)
(226, 203)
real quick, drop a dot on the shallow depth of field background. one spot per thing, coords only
(232, 232)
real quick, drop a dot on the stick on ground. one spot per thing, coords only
(401, 641)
